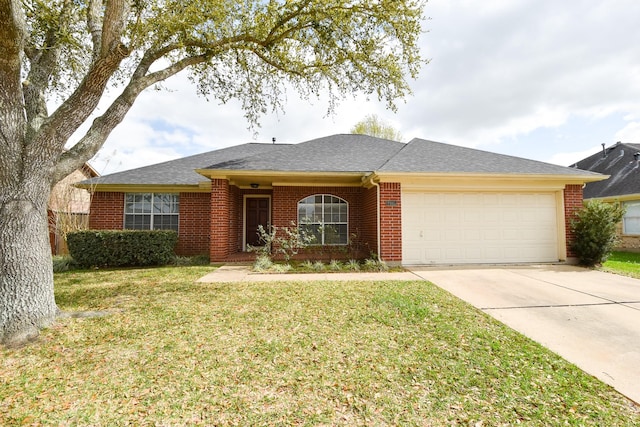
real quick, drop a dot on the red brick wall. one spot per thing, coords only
(370, 219)
(107, 211)
(235, 220)
(390, 222)
(572, 202)
(285, 210)
(220, 220)
(195, 219)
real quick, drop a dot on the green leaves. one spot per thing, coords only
(594, 228)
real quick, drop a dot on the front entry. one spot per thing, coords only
(256, 214)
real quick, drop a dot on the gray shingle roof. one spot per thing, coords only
(336, 153)
(420, 155)
(182, 171)
(617, 161)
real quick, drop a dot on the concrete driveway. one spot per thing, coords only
(590, 318)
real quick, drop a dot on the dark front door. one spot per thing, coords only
(257, 213)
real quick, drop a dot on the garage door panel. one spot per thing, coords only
(440, 228)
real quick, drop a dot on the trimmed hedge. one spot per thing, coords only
(122, 248)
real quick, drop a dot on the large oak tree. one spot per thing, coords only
(73, 50)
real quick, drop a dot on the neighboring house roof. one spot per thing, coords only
(619, 162)
(338, 154)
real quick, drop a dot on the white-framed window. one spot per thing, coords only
(151, 211)
(631, 219)
(325, 217)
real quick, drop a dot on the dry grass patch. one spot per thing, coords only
(313, 353)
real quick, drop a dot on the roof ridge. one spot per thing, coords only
(397, 153)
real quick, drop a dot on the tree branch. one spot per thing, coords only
(102, 126)
(94, 25)
(115, 16)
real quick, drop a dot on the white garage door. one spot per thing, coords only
(458, 228)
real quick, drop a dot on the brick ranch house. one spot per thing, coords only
(413, 203)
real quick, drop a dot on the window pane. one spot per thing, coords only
(165, 222)
(317, 213)
(335, 234)
(632, 225)
(325, 216)
(312, 230)
(631, 219)
(137, 222)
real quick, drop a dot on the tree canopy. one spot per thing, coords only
(372, 125)
(251, 50)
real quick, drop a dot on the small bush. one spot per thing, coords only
(318, 266)
(281, 268)
(353, 265)
(63, 263)
(187, 261)
(594, 229)
(122, 248)
(372, 264)
(335, 265)
(262, 263)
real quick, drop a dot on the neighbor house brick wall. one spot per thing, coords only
(285, 209)
(195, 220)
(627, 242)
(107, 211)
(390, 222)
(220, 220)
(572, 203)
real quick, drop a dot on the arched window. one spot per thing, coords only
(326, 217)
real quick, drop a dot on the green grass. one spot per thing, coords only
(309, 353)
(625, 263)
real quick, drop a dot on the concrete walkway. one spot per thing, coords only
(590, 318)
(241, 273)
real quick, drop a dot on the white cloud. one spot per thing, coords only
(569, 158)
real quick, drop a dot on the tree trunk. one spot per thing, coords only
(27, 301)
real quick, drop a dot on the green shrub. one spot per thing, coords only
(263, 263)
(353, 265)
(62, 263)
(121, 248)
(318, 266)
(188, 261)
(594, 230)
(335, 265)
(373, 264)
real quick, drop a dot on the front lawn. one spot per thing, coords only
(174, 352)
(625, 263)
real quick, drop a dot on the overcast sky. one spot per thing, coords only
(547, 80)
